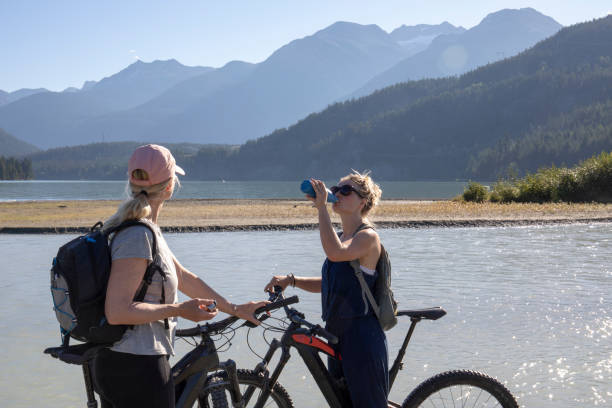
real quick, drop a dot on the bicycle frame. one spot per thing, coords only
(190, 372)
(309, 347)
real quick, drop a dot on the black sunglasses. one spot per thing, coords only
(345, 190)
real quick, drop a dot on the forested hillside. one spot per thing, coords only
(97, 161)
(567, 138)
(12, 168)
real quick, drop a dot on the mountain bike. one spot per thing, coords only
(459, 388)
(190, 373)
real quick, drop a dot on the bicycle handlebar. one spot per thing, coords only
(315, 328)
(278, 304)
(222, 324)
(298, 318)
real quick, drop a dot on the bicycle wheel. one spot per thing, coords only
(460, 388)
(216, 391)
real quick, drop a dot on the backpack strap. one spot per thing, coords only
(365, 289)
(152, 268)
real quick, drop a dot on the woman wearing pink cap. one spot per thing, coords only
(135, 371)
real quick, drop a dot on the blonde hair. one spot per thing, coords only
(137, 205)
(367, 188)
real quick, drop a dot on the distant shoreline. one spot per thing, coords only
(73, 217)
(308, 227)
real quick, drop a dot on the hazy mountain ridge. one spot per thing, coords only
(303, 76)
(415, 39)
(499, 35)
(52, 118)
(10, 97)
(11, 146)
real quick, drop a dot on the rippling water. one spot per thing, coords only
(530, 306)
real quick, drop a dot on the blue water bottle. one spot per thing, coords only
(307, 189)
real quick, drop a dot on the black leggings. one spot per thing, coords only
(130, 381)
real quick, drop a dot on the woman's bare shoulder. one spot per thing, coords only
(369, 235)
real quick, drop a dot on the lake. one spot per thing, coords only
(115, 190)
(529, 305)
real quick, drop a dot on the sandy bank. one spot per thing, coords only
(253, 215)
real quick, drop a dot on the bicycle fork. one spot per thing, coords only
(240, 400)
(229, 367)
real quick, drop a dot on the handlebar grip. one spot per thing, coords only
(277, 305)
(333, 339)
(206, 328)
(194, 331)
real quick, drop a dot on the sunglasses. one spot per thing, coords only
(345, 190)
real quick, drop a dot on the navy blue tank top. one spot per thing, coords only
(341, 293)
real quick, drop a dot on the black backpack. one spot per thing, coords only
(79, 277)
(382, 301)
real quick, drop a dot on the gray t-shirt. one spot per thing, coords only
(149, 338)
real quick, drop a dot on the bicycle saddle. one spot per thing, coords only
(432, 313)
(78, 354)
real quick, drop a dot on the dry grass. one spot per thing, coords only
(262, 212)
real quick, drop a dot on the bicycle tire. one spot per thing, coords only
(215, 393)
(463, 386)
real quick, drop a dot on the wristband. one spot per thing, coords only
(292, 276)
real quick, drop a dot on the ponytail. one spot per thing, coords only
(137, 205)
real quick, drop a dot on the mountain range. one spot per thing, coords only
(9, 97)
(170, 102)
(551, 104)
(499, 35)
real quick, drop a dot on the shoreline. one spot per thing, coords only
(210, 215)
(476, 223)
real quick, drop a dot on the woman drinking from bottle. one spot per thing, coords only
(346, 312)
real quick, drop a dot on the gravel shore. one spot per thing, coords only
(264, 215)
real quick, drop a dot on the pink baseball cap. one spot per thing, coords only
(157, 161)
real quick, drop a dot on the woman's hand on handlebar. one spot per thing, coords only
(195, 310)
(279, 280)
(246, 311)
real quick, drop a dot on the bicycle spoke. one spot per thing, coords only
(487, 401)
(442, 399)
(477, 398)
(458, 396)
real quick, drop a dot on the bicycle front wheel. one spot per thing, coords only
(216, 391)
(460, 388)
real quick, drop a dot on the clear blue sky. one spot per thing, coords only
(59, 43)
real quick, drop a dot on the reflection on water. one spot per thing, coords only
(530, 306)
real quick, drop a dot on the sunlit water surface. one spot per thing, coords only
(530, 306)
